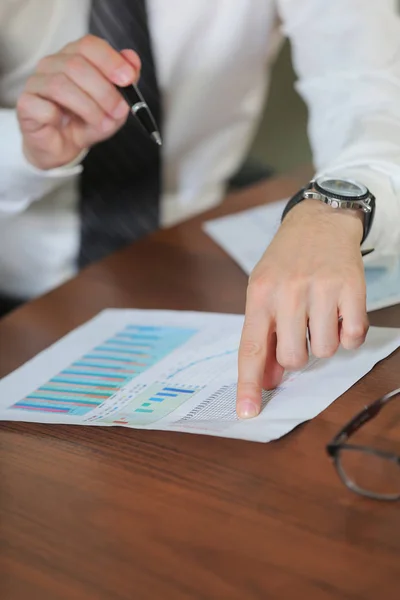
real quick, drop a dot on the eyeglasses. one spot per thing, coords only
(366, 470)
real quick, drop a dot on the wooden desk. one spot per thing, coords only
(118, 514)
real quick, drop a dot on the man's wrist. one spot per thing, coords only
(336, 196)
(316, 211)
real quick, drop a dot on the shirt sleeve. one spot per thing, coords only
(21, 183)
(347, 57)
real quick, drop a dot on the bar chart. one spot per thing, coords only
(153, 404)
(104, 370)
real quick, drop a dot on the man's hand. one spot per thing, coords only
(70, 103)
(310, 275)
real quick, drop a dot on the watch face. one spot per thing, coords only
(342, 187)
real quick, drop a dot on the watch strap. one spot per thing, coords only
(294, 201)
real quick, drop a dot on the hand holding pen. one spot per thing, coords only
(141, 111)
(72, 101)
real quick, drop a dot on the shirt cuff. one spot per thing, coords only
(20, 182)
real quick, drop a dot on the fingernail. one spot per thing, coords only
(247, 409)
(124, 75)
(107, 125)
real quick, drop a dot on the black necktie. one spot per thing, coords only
(121, 181)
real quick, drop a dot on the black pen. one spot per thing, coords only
(366, 252)
(140, 110)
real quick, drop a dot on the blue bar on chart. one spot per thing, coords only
(98, 375)
(151, 405)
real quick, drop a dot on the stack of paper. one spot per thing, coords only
(246, 235)
(174, 371)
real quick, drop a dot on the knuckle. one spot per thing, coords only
(250, 349)
(57, 84)
(326, 350)
(260, 287)
(292, 360)
(300, 281)
(356, 332)
(86, 43)
(295, 288)
(75, 64)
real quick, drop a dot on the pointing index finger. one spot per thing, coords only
(252, 360)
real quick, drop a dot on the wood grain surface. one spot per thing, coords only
(119, 514)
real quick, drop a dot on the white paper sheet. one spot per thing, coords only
(245, 236)
(174, 371)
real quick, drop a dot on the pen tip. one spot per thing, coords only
(366, 252)
(157, 138)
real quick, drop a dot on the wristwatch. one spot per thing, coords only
(339, 194)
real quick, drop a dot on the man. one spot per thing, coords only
(59, 100)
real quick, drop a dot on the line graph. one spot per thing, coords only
(195, 363)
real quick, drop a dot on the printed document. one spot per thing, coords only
(174, 371)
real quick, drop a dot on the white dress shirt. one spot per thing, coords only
(208, 52)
